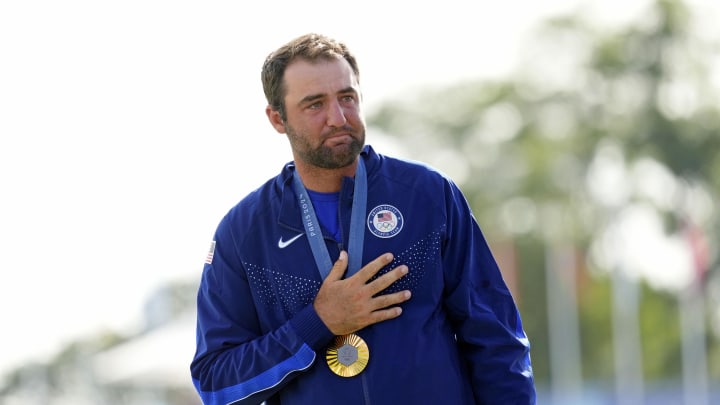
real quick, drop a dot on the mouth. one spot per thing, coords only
(341, 137)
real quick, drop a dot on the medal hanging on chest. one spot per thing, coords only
(348, 355)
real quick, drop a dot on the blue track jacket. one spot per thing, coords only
(458, 341)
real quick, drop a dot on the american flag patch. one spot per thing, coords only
(384, 216)
(211, 253)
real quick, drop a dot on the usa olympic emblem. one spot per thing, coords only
(385, 221)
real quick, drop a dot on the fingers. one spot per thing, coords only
(386, 302)
(370, 269)
(339, 267)
(385, 314)
(387, 279)
(383, 302)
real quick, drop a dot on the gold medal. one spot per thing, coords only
(348, 355)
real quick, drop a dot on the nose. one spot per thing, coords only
(336, 115)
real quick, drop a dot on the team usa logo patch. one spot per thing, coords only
(385, 221)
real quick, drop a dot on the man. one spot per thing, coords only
(351, 277)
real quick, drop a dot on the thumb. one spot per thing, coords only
(339, 267)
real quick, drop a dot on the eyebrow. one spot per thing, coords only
(313, 97)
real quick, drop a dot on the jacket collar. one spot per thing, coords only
(289, 215)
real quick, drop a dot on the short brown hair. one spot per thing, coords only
(311, 47)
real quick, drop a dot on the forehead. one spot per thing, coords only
(323, 77)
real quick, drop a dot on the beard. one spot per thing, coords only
(323, 156)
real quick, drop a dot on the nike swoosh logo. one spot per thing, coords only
(282, 244)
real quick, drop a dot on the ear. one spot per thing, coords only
(275, 119)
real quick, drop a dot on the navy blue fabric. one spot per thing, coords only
(326, 205)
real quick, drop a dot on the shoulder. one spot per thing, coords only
(406, 170)
(258, 205)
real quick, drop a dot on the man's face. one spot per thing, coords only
(324, 123)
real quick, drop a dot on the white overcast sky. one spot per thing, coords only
(128, 128)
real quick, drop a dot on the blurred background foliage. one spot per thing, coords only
(595, 126)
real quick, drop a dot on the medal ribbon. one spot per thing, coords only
(357, 223)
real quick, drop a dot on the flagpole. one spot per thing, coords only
(691, 302)
(563, 325)
(694, 353)
(629, 381)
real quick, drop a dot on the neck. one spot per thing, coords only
(323, 180)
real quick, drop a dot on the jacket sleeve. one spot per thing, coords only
(234, 362)
(487, 323)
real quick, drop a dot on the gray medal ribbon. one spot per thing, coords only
(357, 223)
